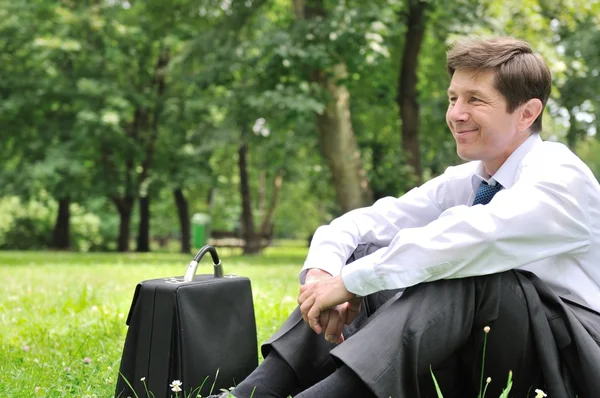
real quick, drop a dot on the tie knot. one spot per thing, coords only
(485, 193)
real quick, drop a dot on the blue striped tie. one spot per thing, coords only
(485, 193)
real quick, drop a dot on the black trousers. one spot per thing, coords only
(392, 346)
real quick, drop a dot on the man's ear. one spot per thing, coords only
(529, 112)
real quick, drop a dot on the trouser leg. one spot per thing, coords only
(306, 352)
(440, 324)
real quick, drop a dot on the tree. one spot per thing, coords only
(407, 99)
(41, 110)
(127, 100)
(334, 124)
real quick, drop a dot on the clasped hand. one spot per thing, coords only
(327, 306)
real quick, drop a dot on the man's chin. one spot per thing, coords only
(465, 155)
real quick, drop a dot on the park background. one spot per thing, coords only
(121, 121)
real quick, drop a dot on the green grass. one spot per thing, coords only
(62, 315)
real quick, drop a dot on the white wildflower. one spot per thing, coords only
(176, 385)
(540, 393)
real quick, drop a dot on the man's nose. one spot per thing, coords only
(458, 112)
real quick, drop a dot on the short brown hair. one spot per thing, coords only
(521, 74)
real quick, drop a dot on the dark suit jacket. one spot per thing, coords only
(567, 338)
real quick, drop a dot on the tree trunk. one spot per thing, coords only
(210, 197)
(339, 146)
(378, 150)
(60, 236)
(143, 239)
(407, 98)
(148, 141)
(125, 208)
(252, 245)
(184, 220)
(262, 194)
(336, 134)
(266, 228)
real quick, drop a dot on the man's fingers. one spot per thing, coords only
(310, 314)
(340, 327)
(304, 287)
(337, 320)
(331, 327)
(354, 306)
(313, 317)
(304, 307)
(305, 292)
(324, 320)
(320, 297)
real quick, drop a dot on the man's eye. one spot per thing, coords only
(474, 99)
(452, 100)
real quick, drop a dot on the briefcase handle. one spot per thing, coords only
(191, 269)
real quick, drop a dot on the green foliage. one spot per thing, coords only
(589, 151)
(29, 225)
(108, 100)
(26, 226)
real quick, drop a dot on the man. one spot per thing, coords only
(460, 246)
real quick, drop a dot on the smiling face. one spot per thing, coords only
(480, 123)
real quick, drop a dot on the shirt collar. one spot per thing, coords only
(507, 173)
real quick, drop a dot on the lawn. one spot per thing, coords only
(63, 314)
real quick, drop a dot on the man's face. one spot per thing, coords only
(478, 118)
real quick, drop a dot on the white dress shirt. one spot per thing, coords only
(546, 220)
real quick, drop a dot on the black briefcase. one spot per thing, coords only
(198, 329)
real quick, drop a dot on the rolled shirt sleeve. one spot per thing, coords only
(333, 244)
